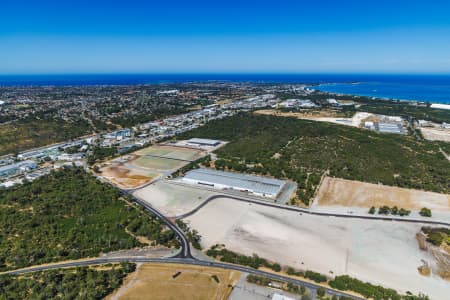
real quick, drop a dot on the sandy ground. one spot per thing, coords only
(325, 116)
(341, 192)
(436, 134)
(126, 177)
(171, 199)
(155, 281)
(134, 170)
(306, 114)
(380, 252)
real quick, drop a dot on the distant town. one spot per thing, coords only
(110, 107)
(278, 190)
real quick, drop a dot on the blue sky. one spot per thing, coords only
(231, 36)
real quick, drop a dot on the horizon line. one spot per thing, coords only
(224, 73)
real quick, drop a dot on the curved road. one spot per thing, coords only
(306, 211)
(185, 256)
(185, 247)
(187, 261)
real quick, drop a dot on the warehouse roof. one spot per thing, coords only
(25, 164)
(253, 183)
(390, 128)
(208, 142)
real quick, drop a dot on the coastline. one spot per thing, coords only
(391, 91)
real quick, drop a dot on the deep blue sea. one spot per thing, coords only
(431, 88)
(435, 89)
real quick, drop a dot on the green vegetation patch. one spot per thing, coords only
(70, 215)
(368, 290)
(437, 235)
(344, 283)
(77, 283)
(31, 133)
(254, 261)
(191, 234)
(425, 212)
(406, 110)
(304, 150)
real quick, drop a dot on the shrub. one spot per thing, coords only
(425, 212)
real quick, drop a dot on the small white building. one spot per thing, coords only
(281, 297)
(119, 134)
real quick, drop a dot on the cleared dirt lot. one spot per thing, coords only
(341, 192)
(380, 252)
(142, 166)
(126, 177)
(172, 199)
(300, 115)
(155, 281)
(322, 116)
(436, 134)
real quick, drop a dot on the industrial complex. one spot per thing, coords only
(17, 168)
(203, 142)
(257, 185)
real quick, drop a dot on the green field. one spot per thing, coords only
(307, 149)
(157, 151)
(157, 163)
(170, 152)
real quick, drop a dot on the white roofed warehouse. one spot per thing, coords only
(203, 142)
(257, 185)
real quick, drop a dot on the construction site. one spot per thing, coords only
(145, 165)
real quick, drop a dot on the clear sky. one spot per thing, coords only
(132, 36)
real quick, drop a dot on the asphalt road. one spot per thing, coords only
(307, 211)
(185, 247)
(185, 257)
(186, 261)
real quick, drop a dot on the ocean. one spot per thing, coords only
(430, 88)
(434, 89)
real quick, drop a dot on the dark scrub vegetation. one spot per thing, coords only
(68, 215)
(76, 283)
(31, 133)
(303, 151)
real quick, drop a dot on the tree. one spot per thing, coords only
(372, 210)
(384, 210)
(403, 212)
(306, 297)
(394, 210)
(96, 169)
(321, 292)
(425, 212)
(276, 267)
(302, 289)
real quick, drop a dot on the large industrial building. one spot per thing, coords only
(17, 168)
(203, 142)
(257, 185)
